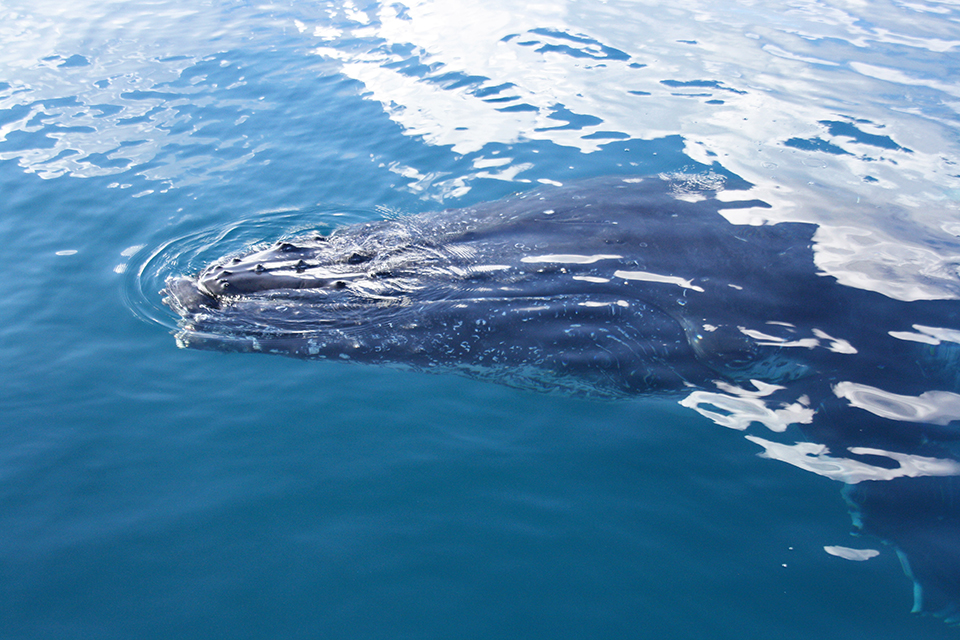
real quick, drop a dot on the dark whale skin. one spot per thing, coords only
(477, 290)
(619, 287)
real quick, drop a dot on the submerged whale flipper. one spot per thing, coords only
(922, 517)
(623, 287)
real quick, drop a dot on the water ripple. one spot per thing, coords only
(150, 265)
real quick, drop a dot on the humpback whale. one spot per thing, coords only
(622, 287)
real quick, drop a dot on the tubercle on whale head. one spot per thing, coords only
(306, 265)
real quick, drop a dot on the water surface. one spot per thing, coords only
(148, 491)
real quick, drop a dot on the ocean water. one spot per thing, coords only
(148, 491)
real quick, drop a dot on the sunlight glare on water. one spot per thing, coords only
(149, 491)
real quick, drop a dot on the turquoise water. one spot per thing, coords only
(148, 491)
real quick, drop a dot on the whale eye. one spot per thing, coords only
(286, 246)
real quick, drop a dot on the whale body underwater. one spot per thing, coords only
(623, 287)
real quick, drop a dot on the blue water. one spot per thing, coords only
(148, 491)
